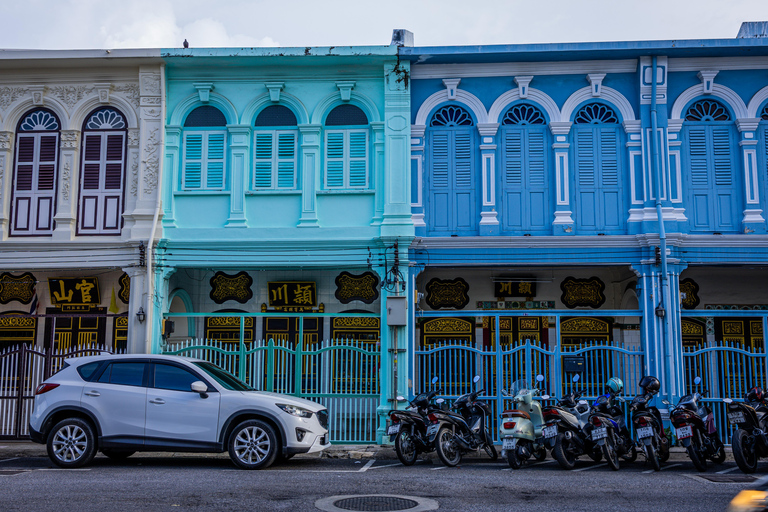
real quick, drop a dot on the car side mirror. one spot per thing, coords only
(200, 387)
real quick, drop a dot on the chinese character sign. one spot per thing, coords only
(83, 290)
(292, 293)
(514, 289)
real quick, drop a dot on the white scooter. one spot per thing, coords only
(521, 427)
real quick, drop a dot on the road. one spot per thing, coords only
(161, 482)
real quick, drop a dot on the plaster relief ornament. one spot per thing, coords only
(129, 92)
(10, 94)
(5, 140)
(70, 139)
(135, 177)
(150, 84)
(133, 138)
(151, 162)
(65, 179)
(70, 95)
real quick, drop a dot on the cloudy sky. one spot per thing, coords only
(56, 24)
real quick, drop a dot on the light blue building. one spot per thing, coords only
(538, 175)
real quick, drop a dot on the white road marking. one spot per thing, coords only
(387, 466)
(6, 460)
(590, 467)
(533, 464)
(64, 469)
(441, 467)
(662, 468)
(727, 470)
(367, 465)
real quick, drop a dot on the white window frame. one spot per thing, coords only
(275, 159)
(346, 159)
(204, 160)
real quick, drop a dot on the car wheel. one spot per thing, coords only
(253, 445)
(117, 454)
(71, 443)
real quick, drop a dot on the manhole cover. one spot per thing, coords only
(375, 503)
(728, 479)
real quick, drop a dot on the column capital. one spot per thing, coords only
(6, 141)
(70, 139)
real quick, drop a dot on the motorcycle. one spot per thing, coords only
(608, 429)
(463, 429)
(648, 424)
(750, 440)
(408, 428)
(695, 429)
(564, 431)
(521, 428)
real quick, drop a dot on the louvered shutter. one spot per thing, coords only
(91, 162)
(609, 157)
(585, 157)
(536, 158)
(286, 159)
(765, 149)
(214, 176)
(34, 183)
(513, 165)
(263, 160)
(358, 159)
(697, 148)
(721, 150)
(193, 161)
(334, 159)
(101, 188)
(463, 159)
(439, 160)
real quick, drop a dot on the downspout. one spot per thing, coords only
(663, 299)
(158, 206)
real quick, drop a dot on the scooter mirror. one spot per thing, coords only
(539, 377)
(400, 398)
(439, 400)
(666, 402)
(477, 378)
(576, 378)
(545, 397)
(697, 380)
(728, 400)
(434, 379)
(583, 402)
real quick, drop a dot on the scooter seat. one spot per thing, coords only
(515, 414)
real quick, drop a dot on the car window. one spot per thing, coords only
(87, 370)
(126, 374)
(223, 377)
(173, 377)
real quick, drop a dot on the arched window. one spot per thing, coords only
(346, 148)
(598, 159)
(713, 197)
(275, 142)
(205, 150)
(102, 175)
(522, 182)
(35, 174)
(450, 179)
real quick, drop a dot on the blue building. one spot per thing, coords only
(539, 174)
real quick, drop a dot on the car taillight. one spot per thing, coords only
(432, 418)
(44, 388)
(509, 425)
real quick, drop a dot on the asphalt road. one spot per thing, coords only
(156, 482)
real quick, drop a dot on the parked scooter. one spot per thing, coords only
(750, 440)
(609, 428)
(408, 428)
(462, 431)
(649, 427)
(521, 428)
(564, 430)
(695, 429)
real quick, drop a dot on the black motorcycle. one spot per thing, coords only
(695, 429)
(462, 429)
(408, 427)
(750, 439)
(648, 424)
(608, 428)
(564, 430)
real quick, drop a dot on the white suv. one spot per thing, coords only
(123, 404)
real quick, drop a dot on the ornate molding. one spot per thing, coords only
(225, 287)
(130, 92)
(151, 161)
(70, 95)
(66, 178)
(150, 85)
(70, 139)
(6, 140)
(134, 138)
(582, 292)
(135, 177)
(452, 293)
(362, 287)
(10, 94)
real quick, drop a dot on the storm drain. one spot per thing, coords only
(376, 503)
(728, 479)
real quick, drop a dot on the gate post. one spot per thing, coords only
(271, 365)
(241, 358)
(21, 380)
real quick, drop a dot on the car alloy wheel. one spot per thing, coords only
(71, 443)
(253, 445)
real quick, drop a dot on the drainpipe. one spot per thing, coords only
(158, 204)
(663, 305)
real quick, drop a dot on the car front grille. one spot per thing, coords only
(322, 417)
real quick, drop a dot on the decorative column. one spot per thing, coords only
(137, 331)
(66, 204)
(6, 176)
(379, 172)
(753, 220)
(489, 221)
(171, 172)
(239, 138)
(417, 178)
(311, 173)
(563, 223)
(157, 304)
(132, 179)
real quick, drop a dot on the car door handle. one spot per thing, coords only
(158, 401)
(92, 393)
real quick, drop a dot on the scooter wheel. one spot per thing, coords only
(563, 456)
(540, 454)
(406, 448)
(719, 456)
(447, 450)
(514, 459)
(743, 453)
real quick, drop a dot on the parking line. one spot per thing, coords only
(727, 470)
(590, 467)
(441, 467)
(387, 466)
(6, 460)
(367, 465)
(662, 468)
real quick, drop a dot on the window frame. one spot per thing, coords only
(346, 159)
(275, 160)
(205, 133)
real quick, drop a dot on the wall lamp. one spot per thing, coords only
(141, 315)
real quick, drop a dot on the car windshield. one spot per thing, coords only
(519, 387)
(223, 377)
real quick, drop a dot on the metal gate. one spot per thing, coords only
(22, 369)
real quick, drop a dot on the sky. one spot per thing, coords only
(77, 24)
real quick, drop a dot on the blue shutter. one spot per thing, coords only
(536, 158)
(585, 157)
(263, 161)
(334, 160)
(193, 160)
(513, 165)
(609, 157)
(697, 147)
(215, 163)
(439, 160)
(721, 148)
(463, 159)
(358, 157)
(286, 155)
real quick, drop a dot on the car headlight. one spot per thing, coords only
(295, 411)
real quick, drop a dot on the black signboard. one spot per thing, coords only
(81, 290)
(515, 288)
(292, 294)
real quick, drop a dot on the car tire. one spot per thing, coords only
(117, 454)
(253, 445)
(71, 443)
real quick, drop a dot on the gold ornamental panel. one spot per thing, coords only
(584, 325)
(528, 324)
(355, 322)
(443, 293)
(691, 290)
(20, 288)
(225, 287)
(756, 328)
(228, 321)
(362, 287)
(733, 328)
(692, 328)
(447, 326)
(582, 292)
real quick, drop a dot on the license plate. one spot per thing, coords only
(644, 432)
(599, 433)
(736, 417)
(684, 432)
(393, 429)
(508, 443)
(549, 432)
(432, 430)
